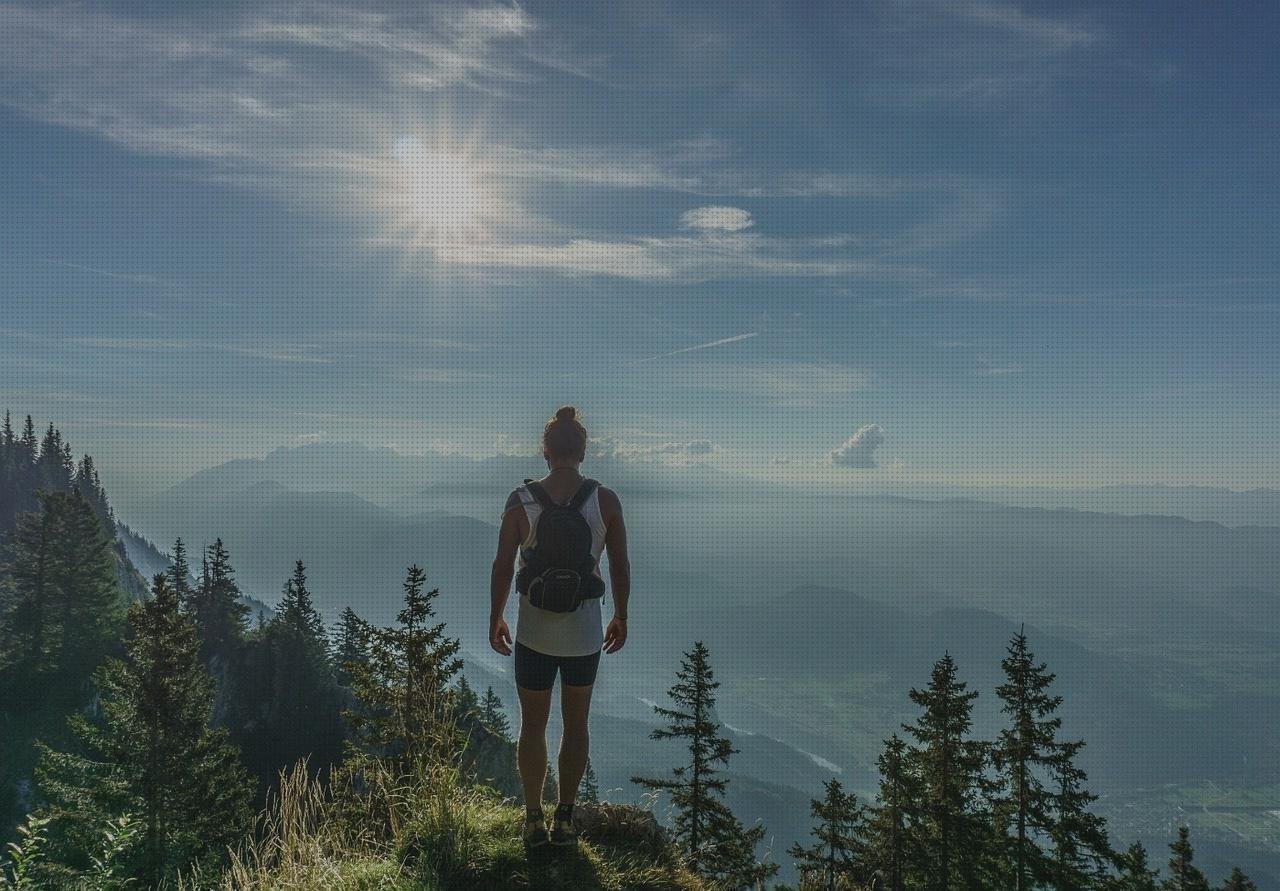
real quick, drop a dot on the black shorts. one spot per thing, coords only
(537, 671)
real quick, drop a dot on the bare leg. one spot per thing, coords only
(531, 751)
(575, 745)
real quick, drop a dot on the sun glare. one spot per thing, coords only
(440, 195)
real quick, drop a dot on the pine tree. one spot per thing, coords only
(18, 486)
(9, 468)
(1023, 751)
(1081, 851)
(950, 831)
(839, 859)
(350, 645)
(493, 714)
(180, 576)
(1133, 872)
(286, 705)
(30, 653)
(589, 788)
(54, 469)
(465, 700)
(1238, 881)
(406, 708)
(219, 611)
(717, 847)
(153, 753)
(1183, 875)
(298, 612)
(90, 485)
(69, 608)
(890, 846)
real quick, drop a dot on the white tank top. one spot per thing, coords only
(561, 634)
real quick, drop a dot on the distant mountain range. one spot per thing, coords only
(402, 482)
(1250, 507)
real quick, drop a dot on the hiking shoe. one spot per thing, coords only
(563, 833)
(534, 833)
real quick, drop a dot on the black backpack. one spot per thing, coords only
(559, 570)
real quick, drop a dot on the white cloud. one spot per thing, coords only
(859, 450)
(579, 257)
(509, 447)
(725, 219)
(988, 367)
(674, 452)
(686, 259)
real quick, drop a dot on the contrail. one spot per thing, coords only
(701, 346)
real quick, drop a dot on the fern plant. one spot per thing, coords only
(118, 836)
(26, 852)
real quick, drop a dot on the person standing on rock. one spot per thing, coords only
(553, 533)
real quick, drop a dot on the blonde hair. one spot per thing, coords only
(564, 436)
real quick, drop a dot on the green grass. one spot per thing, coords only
(434, 833)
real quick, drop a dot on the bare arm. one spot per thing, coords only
(615, 544)
(509, 536)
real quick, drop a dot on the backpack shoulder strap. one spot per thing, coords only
(540, 494)
(584, 492)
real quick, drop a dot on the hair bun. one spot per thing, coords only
(566, 413)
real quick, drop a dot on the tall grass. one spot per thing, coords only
(307, 839)
(373, 826)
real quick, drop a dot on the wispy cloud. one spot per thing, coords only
(283, 352)
(137, 344)
(140, 278)
(1055, 33)
(252, 99)
(250, 89)
(974, 52)
(988, 367)
(737, 338)
(859, 450)
(687, 259)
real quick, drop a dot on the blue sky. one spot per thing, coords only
(970, 242)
